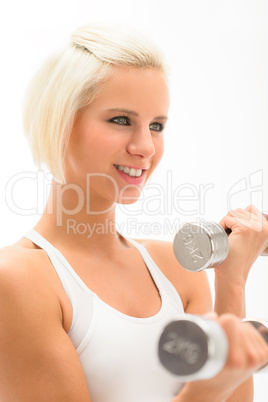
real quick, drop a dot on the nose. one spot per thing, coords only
(141, 144)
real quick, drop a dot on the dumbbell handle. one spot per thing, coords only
(198, 246)
(195, 348)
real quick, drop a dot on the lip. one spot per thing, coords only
(132, 179)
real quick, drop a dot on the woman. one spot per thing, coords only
(81, 315)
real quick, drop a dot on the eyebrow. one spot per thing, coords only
(117, 109)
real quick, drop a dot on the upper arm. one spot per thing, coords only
(199, 294)
(37, 359)
(193, 287)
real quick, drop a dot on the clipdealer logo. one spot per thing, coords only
(152, 200)
(131, 226)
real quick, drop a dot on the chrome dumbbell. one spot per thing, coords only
(195, 348)
(198, 246)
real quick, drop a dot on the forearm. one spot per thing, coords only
(200, 391)
(245, 392)
(229, 297)
(234, 383)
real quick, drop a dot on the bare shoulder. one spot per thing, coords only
(27, 274)
(24, 275)
(20, 264)
(34, 343)
(17, 259)
(193, 287)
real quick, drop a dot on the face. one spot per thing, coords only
(117, 140)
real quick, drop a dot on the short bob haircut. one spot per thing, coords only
(68, 81)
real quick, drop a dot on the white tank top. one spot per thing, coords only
(118, 352)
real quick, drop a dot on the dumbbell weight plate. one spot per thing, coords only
(198, 246)
(262, 327)
(193, 348)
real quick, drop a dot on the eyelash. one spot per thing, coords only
(128, 124)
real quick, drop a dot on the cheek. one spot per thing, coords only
(159, 149)
(87, 142)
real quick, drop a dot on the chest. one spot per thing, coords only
(124, 282)
(122, 340)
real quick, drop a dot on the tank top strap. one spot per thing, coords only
(40, 241)
(161, 281)
(151, 265)
(62, 267)
(81, 298)
(51, 251)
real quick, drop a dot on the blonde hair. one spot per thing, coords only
(68, 81)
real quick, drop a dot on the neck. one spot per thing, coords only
(69, 220)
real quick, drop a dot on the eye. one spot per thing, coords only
(157, 127)
(122, 120)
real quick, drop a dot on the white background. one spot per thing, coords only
(216, 138)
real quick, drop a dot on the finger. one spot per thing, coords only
(252, 209)
(246, 214)
(265, 216)
(256, 346)
(235, 221)
(230, 325)
(245, 219)
(226, 222)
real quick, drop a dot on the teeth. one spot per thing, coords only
(130, 171)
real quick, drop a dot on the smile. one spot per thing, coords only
(130, 171)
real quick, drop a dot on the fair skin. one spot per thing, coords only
(33, 305)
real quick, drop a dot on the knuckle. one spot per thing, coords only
(236, 361)
(239, 210)
(228, 319)
(253, 358)
(251, 207)
(257, 359)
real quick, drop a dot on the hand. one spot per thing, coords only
(248, 352)
(248, 239)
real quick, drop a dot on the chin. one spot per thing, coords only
(129, 196)
(128, 200)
